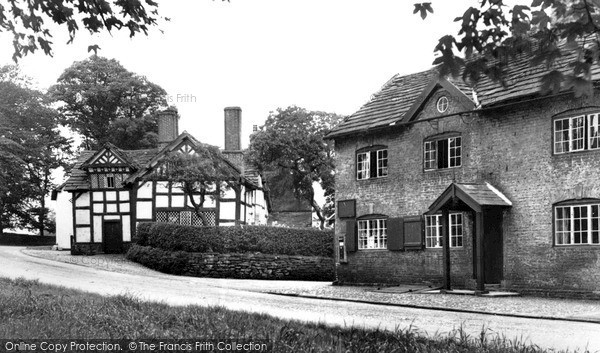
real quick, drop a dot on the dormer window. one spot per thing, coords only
(442, 153)
(372, 163)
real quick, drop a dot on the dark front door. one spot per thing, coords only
(112, 237)
(492, 246)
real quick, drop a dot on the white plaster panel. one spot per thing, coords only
(162, 186)
(111, 208)
(177, 200)
(64, 220)
(162, 201)
(124, 195)
(97, 229)
(144, 210)
(145, 191)
(126, 228)
(111, 196)
(82, 217)
(229, 194)
(124, 207)
(82, 235)
(98, 196)
(98, 208)
(112, 217)
(83, 200)
(227, 210)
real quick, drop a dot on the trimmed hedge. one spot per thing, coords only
(244, 239)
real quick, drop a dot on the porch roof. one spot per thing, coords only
(476, 196)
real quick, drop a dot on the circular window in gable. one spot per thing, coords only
(442, 104)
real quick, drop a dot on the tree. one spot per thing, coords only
(30, 21)
(292, 140)
(104, 102)
(31, 147)
(199, 174)
(557, 33)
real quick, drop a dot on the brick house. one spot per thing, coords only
(110, 190)
(439, 183)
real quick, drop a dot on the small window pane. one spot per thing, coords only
(594, 131)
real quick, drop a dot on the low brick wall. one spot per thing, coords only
(247, 266)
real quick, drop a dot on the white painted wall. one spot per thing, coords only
(64, 219)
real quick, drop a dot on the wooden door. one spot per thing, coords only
(493, 246)
(112, 237)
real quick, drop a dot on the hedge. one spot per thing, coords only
(263, 239)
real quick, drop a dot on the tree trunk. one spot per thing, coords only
(197, 206)
(42, 215)
(319, 213)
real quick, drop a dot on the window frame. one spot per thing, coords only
(110, 179)
(431, 152)
(381, 234)
(363, 167)
(447, 103)
(438, 238)
(589, 204)
(590, 120)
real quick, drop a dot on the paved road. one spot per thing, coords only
(246, 295)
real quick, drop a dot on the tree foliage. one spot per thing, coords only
(31, 147)
(556, 33)
(200, 174)
(292, 141)
(104, 102)
(30, 22)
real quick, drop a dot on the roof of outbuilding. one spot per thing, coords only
(400, 94)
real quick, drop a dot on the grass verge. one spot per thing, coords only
(30, 310)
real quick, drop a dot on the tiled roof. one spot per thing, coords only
(394, 99)
(78, 179)
(401, 93)
(475, 196)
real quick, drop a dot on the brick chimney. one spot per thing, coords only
(233, 136)
(168, 126)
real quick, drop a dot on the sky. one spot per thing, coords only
(328, 55)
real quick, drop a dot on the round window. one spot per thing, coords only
(442, 104)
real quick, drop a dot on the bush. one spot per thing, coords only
(263, 239)
(158, 259)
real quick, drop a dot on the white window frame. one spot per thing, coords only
(372, 234)
(363, 164)
(579, 131)
(594, 136)
(430, 153)
(442, 104)
(456, 229)
(565, 233)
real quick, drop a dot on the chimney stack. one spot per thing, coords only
(168, 126)
(233, 136)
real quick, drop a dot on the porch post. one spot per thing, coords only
(446, 246)
(479, 251)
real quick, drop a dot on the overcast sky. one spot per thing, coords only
(328, 55)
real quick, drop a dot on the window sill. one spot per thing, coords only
(567, 246)
(574, 153)
(441, 170)
(372, 179)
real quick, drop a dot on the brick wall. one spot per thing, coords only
(510, 148)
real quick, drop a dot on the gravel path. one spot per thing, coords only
(528, 306)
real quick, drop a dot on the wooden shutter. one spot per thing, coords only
(413, 233)
(395, 234)
(351, 239)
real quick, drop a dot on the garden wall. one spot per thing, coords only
(247, 266)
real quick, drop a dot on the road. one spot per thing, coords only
(246, 295)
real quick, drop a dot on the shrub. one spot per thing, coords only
(158, 259)
(263, 239)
